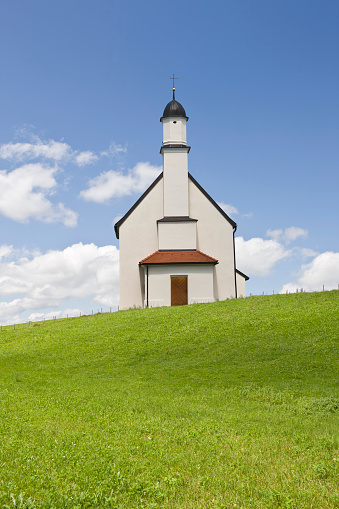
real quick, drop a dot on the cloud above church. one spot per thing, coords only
(112, 184)
(287, 235)
(50, 280)
(50, 149)
(28, 188)
(25, 192)
(36, 148)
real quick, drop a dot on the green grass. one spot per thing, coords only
(227, 405)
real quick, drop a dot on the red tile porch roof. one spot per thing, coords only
(162, 257)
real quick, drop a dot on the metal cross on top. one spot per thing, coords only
(173, 78)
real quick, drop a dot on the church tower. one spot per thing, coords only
(176, 230)
(174, 151)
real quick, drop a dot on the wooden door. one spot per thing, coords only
(178, 290)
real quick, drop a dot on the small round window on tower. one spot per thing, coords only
(174, 121)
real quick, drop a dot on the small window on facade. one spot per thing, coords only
(174, 121)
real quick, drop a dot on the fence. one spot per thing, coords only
(297, 290)
(63, 317)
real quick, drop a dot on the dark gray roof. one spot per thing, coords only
(174, 109)
(242, 274)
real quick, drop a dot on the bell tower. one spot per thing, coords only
(176, 230)
(174, 150)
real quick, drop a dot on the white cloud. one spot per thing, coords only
(34, 317)
(308, 253)
(323, 270)
(23, 195)
(114, 149)
(5, 250)
(274, 234)
(55, 150)
(49, 280)
(293, 233)
(258, 256)
(288, 235)
(60, 214)
(229, 209)
(115, 184)
(86, 157)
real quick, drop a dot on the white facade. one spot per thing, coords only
(241, 290)
(177, 235)
(176, 215)
(199, 283)
(175, 181)
(174, 130)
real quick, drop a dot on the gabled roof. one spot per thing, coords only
(149, 189)
(186, 256)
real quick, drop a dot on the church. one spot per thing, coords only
(176, 244)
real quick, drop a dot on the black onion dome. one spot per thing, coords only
(174, 109)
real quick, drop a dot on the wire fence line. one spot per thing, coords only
(297, 290)
(63, 317)
(60, 317)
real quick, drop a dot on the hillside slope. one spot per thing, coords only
(231, 404)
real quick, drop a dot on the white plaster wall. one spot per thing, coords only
(215, 238)
(175, 181)
(241, 289)
(177, 235)
(199, 283)
(138, 239)
(174, 130)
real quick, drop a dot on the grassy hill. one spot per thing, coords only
(224, 405)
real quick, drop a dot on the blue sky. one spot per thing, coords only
(83, 85)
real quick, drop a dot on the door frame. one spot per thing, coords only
(179, 276)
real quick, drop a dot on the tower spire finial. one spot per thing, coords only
(173, 78)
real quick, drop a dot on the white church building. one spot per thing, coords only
(176, 244)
